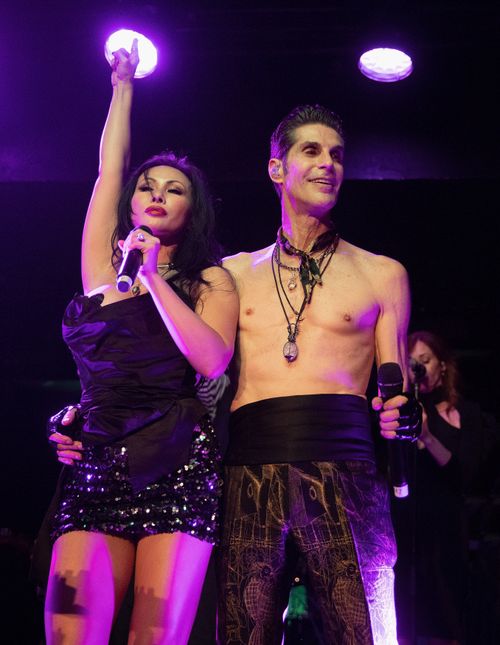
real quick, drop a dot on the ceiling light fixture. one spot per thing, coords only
(385, 65)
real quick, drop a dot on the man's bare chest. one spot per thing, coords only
(343, 301)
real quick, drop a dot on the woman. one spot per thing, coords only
(142, 498)
(451, 454)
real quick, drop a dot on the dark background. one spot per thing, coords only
(421, 182)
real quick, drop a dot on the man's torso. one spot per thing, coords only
(336, 336)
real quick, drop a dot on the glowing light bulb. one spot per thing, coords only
(148, 54)
(385, 65)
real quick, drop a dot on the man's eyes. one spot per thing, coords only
(312, 151)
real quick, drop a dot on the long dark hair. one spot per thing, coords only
(198, 248)
(450, 378)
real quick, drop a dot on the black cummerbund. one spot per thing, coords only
(312, 427)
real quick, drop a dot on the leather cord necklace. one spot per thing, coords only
(310, 273)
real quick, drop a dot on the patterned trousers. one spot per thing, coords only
(335, 517)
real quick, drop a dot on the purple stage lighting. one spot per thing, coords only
(148, 54)
(385, 65)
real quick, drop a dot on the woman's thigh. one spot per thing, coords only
(169, 574)
(89, 575)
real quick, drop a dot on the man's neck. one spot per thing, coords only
(303, 230)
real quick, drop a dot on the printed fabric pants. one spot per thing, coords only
(334, 516)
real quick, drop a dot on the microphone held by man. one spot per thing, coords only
(390, 384)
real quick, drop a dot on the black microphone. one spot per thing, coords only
(129, 268)
(418, 369)
(390, 384)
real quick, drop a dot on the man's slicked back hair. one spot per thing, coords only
(283, 138)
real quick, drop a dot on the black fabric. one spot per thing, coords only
(137, 387)
(313, 427)
(42, 547)
(54, 424)
(97, 495)
(441, 566)
(334, 518)
(410, 419)
(441, 531)
(432, 398)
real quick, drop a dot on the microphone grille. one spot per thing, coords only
(389, 373)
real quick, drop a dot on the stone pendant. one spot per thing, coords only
(290, 351)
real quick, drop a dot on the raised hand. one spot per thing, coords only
(124, 64)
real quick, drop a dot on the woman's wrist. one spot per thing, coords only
(148, 276)
(426, 438)
(440, 453)
(121, 84)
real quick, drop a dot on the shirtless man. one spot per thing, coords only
(300, 476)
(315, 311)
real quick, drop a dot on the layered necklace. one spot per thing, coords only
(163, 270)
(309, 273)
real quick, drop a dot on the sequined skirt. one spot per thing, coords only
(97, 495)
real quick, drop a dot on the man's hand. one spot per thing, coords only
(399, 417)
(388, 414)
(68, 449)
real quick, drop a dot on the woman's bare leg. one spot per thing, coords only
(169, 574)
(89, 575)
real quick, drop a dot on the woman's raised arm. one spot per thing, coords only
(100, 221)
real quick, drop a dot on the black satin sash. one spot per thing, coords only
(313, 427)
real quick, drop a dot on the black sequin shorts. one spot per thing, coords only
(97, 495)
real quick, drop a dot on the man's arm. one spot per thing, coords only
(393, 292)
(392, 324)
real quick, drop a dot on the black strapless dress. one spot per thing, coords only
(151, 462)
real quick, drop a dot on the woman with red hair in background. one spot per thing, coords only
(451, 462)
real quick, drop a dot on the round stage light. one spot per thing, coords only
(385, 65)
(148, 54)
